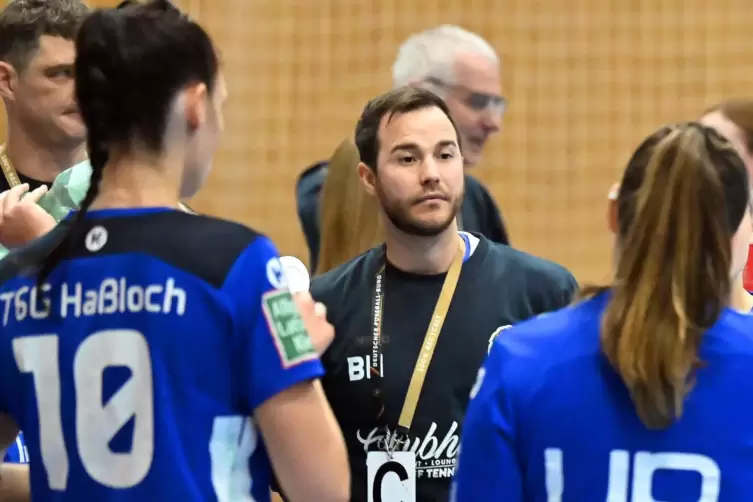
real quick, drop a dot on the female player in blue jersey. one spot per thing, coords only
(147, 353)
(642, 391)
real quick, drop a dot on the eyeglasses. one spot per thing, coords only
(475, 100)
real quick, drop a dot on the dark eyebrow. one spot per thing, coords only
(446, 143)
(414, 147)
(405, 146)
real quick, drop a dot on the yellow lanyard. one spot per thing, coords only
(430, 339)
(11, 176)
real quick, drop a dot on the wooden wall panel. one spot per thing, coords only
(587, 79)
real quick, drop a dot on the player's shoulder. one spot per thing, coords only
(192, 225)
(550, 338)
(732, 333)
(345, 279)
(203, 246)
(209, 247)
(531, 355)
(25, 260)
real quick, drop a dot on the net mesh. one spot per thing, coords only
(586, 79)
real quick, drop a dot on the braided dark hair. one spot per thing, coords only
(130, 63)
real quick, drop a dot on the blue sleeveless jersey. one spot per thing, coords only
(134, 373)
(551, 421)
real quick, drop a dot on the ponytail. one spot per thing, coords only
(98, 156)
(672, 280)
(92, 81)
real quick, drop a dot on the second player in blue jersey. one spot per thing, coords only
(641, 392)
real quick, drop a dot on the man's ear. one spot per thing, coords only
(368, 178)
(8, 81)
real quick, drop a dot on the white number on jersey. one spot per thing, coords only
(234, 440)
(95, 424)
(645, 465)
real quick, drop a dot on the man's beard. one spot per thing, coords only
(400, 216)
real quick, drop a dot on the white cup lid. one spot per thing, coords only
(296, 274)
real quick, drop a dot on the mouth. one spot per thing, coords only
(433, 198)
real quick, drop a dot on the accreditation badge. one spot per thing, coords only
(391, 477)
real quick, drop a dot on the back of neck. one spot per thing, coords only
(132, 182)
(421, 255)
(741, 300)
(36, 159)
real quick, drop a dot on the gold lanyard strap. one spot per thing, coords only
(11, 176)
(430, 340)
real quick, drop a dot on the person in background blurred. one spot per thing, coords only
(463, 69)
(641, 391)
(733, 119)
(350, 222)
(45, 132)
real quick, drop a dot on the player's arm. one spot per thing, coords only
(305, 444)
(487, 465)
(14, 483)
(280, 371)
(14, 478)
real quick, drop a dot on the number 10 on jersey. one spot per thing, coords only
(95, 423)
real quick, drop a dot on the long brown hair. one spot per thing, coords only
(349, 218)
(681, 199)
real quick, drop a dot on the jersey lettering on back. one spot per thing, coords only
(136, 368)
(551, 420)
(633, 481)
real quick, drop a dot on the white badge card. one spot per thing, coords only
(391, 478)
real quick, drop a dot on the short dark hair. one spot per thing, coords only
(130, 63)
(395, 102)
(24, 22)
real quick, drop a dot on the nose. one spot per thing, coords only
(429, 171)
(491, 120)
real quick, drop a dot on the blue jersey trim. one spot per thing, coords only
(467, 241)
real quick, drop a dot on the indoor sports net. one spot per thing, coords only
(586, 80)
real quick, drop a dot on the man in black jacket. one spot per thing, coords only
(415, 317)
(464, 70)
